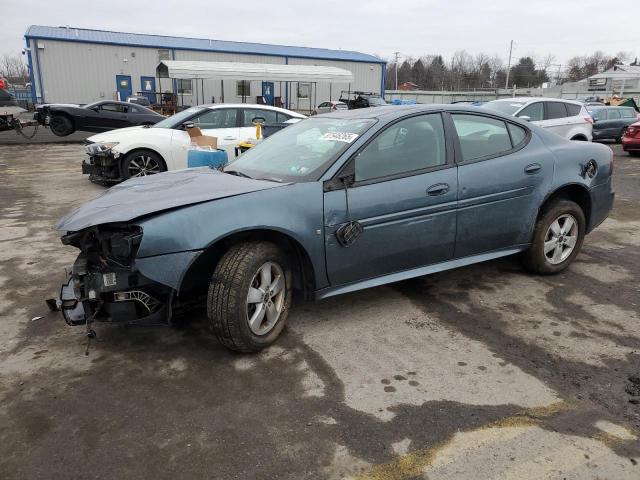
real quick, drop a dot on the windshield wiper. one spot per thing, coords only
(237, 173)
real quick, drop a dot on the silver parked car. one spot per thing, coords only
(567, 118)
(332, 106)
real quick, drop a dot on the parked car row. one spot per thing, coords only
(329, 205)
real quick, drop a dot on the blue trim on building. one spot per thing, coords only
(198, 44)
(42, 96)
(32, 79)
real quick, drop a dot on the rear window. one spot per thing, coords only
(628, 113)
(518, 134)
(555, 110)
(613, 114)
(573, 110)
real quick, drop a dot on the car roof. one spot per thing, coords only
(536, 99)
(391, 111)
(213, 106)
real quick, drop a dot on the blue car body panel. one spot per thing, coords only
(487, 210)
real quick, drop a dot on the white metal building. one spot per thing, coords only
(73, 65)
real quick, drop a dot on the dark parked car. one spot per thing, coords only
(361, 99)
(94, 117)
(610, 123)
(333, 204)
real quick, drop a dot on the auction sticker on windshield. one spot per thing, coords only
(339, 137)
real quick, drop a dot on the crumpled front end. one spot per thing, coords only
(105, 283)
(103, 163)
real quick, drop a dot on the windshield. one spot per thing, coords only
(509, 108)
(301, 152)
(178, 119)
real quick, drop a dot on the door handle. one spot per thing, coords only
(438, 189)
(229, 138)
(533, 168)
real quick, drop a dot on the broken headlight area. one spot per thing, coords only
(105, 285)
(102, 162)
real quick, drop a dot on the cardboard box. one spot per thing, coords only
(205, 141)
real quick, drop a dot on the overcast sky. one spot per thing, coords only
(564, 28)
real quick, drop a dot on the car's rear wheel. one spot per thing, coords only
(619, 137)
(249, 296)
(61, 125)
(557, 238)
(142, 163)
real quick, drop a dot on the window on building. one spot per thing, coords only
(243, 88)
(304, 90)
(184, 87)
(164, 54)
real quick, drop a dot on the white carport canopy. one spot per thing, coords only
(251, 71)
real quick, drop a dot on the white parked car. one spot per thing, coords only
(332, 106)
(136, 151)
(567, 118)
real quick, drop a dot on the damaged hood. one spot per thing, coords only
(145, 195)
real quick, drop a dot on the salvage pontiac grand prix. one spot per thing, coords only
(334, 204)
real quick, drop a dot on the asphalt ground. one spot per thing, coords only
(484, 372)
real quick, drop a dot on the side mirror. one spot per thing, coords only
(187, 125)
(347, 179)
(526, 118)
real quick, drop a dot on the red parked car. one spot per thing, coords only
(631, 139)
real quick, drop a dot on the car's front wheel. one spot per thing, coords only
(141, 163)
(557, 238)
(249, 296)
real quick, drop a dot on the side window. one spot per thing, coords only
(628, 113)
(555, 110)
(535, 112)
(613, 114)
(411, 144)
(518, 134)
(248, 114)
(113, 107)
(133, 109)
(574, 110)
(599, 114)
(218, 118)
(282, 117)
(481, 136)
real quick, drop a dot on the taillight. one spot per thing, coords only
(631, 131)
(611, 162)
(589, 120)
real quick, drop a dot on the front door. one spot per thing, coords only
(148, 88)
(123, 87)
(500, 184)
(404, 197)
(267, 92)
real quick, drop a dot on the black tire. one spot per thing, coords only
(61, 125)
(534, 259)
(133, 160)
(227, 301)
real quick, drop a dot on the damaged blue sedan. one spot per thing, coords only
(330, 205)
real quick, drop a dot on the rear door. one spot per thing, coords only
(404, 197)
(504, 172)
(219, 122)
(556, 118)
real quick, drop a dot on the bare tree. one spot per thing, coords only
(13, 68)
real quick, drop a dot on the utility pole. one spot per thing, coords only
(509, 64)
(397, 54)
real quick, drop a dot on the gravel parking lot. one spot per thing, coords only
(481, 372)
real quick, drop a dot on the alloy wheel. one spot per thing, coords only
(142, 166)
(560, 239)
(266, 298)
